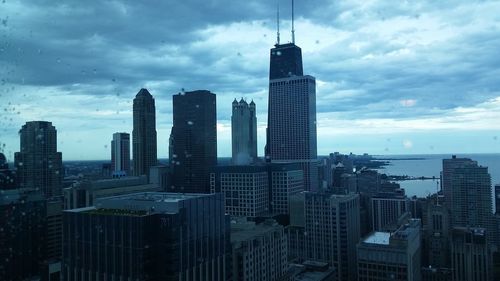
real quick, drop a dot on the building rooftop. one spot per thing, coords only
(380, 238)
(242, 230)
(165, 197)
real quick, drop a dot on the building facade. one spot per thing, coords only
(38, 164)
(22, 234)
(291, 125)
(193, 141)
(245, 189)
(144, 143)
(470, 254)
(148, 236)
(386, 208)
(333, 230)
(259, 251)
(120, 154)
(243, 133)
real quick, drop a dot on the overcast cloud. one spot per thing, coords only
(393, 77)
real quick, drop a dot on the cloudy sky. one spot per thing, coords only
(393, 77)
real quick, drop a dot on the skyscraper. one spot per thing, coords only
(291, 125)
(120, 154)
(38, 164)
(333, 230)
(193, 141)
(144, 133)
(468, 187)
(244, 133)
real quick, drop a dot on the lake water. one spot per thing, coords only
(431, 165)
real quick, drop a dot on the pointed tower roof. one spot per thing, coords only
(252, 103)
(143, 93)
(235, 102)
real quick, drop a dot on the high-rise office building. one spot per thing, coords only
(120, 154)
(243, 133)
(193, 141)
(148, 236)
(387, 256)
(38, 164)
(144, 133)
(291, 125)
(333, 230)
(245, 188)
(469, 193)
(449, 166)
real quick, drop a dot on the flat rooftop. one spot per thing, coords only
(166, 197)
(380, 238)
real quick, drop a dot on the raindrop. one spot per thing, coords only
(58, 60)
(190, 123)
(495, 138)
(239, 54)
(278, 53)
(317, 41)
(197, 106)
(114, 80)
(95, 71)
(105, 146)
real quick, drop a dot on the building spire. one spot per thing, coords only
(293, 19)
(278, 23)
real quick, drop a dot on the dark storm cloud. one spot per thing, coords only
(116, 47)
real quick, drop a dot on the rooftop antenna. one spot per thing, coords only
(293, 27)
(278, 23)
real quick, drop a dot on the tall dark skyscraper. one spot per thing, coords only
(243, 133)
(120, 154)
(291, 126)
(38, 164)
(144, 133)
(193, 141)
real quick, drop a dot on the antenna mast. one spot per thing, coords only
(293, 27)
(278, 23)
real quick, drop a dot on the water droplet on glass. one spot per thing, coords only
(190, 123)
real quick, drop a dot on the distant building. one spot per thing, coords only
(257, 190)
(193, 141)
(162, 236)
(259, 251)
(386, 208)
(243, 133)
(120, 154)
(332, 231)
(38, 164)
(470, 255)
(144, 143)
(391, 256)
(22, 235)
(291, 125)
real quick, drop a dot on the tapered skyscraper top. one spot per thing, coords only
(38, 164)
(286, 61)
(144, 133)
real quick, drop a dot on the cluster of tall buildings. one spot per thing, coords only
(288, 216)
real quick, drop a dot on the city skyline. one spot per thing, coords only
(383, 75)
